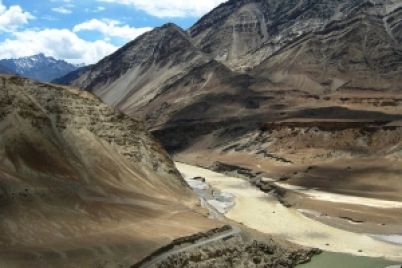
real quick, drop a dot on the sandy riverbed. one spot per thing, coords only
(342, 198)
(264, 213)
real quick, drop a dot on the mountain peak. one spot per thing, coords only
(40, 55)
(171, 25)
(39, 67)
(172, 29)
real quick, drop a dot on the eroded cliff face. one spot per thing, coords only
(82, 185)
(67, 109)
(242, 34)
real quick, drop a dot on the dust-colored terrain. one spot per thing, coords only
(83, 185)
(306, 92)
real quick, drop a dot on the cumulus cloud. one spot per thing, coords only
(171, 8)
(12, 17)
(111, 28)
(62, 10)
(58, 43)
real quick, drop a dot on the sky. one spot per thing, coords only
(85, 31)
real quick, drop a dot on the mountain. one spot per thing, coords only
(254, 37)
(244, 33)
(138, 72)
(71, 76)
(38, 67)
(5, 70)
(83, 180)
(296, 89)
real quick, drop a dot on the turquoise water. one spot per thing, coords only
(338, 260)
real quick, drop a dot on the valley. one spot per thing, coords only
(267, 134)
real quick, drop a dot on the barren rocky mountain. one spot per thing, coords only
(136, 74)
(81, 182)
(243, 33)
(306, 91)
(307, 48)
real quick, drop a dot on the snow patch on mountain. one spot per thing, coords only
(39, 67)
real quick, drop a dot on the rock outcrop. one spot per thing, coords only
(240, 252)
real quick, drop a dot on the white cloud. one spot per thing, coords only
(58, 43)
(62, 10)
(171, 8)
(111, 28)
(13, 17)
(96, 10)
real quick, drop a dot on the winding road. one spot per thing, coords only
(227, 234)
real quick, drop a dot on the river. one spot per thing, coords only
(264, 213)
(338, 260)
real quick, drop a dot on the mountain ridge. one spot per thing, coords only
(39, 67)
(145, 65)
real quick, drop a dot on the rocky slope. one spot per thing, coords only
(38, 67)
(243, 33)
(280, 87)
(71, 76)
(137, 73)
(83, 185)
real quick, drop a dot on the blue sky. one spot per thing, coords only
(84, 31)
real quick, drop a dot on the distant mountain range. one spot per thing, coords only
(5, 70)
(38, 67)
